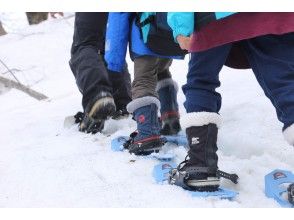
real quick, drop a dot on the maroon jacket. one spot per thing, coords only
(241, 26)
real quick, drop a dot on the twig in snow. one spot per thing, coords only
(17, 85)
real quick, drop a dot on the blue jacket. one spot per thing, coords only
(121, 31)
(182, 23)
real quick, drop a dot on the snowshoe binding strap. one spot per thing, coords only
(79, 117)
(183, 179)
(186, 177)
(90, 125)
(119, 114)
(183, 175)
(130, 140)
(147, 146)
(233, 177)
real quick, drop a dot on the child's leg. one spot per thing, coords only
(202, 121)
(167, 90)
(203, 79)
(145, 77)
(272, 61)
(144, 106)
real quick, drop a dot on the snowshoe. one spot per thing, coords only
(275, 187)
(161, 174)
(196, 178)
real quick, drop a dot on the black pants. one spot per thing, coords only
(87, 61)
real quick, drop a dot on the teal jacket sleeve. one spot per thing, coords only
(182, 23)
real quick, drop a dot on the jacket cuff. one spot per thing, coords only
(115, 67)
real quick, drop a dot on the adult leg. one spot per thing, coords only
(88, 66)
(87, 50)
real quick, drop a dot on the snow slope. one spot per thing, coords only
(42, 164)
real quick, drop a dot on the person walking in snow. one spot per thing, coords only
(153, 87)
(261, 41)
(105, 93)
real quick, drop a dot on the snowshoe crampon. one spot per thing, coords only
(69, 121)
(276, 187)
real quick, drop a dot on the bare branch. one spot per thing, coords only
(16, 85)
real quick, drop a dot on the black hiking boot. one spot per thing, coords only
(120, 114)
(99, 109)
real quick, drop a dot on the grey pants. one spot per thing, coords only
(147, 71)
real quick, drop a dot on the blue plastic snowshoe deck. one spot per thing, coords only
(180, 139)
(275, 185)
(117, 145)
(161, 174)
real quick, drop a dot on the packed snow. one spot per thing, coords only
(44, 164)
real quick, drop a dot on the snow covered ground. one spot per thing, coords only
(43, 164)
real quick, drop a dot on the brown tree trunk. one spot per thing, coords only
(36, 17)
(2, 31)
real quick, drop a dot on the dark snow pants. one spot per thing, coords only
(272, 60)
(88, 65)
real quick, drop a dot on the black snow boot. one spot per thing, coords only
(100, 108)
(199, 171)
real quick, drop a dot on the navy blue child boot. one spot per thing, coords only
(167, 91)
(147, 138)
